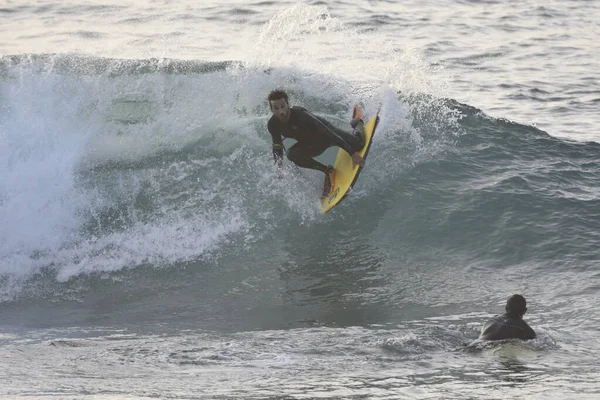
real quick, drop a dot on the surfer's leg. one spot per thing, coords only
(356, 139)
(302, 155)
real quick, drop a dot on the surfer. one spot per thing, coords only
(313, 135)
(509, 325)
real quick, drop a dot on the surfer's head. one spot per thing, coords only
(280, 107)
(516, 304)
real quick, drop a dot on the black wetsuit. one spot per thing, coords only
(313, 134)
(506, 326)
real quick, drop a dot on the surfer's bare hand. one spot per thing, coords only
(357, 160)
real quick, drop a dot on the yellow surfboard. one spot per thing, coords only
(345, 175)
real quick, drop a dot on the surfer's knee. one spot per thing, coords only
(292, 154)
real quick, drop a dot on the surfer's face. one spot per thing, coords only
(280, 109)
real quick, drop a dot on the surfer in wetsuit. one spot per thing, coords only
(313, 135)
(509, 325)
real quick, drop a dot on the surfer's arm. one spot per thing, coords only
(278, 153)
(529, 332)
(277, 145)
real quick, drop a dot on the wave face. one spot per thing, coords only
(148, 175)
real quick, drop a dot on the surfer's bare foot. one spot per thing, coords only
(357, 160)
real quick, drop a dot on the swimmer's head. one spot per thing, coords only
(516, 304)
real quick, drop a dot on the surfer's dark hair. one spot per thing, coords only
(276, 95)
(516, 304)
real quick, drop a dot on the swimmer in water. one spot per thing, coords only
(509, 325)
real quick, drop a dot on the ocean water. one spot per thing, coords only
(147, 252)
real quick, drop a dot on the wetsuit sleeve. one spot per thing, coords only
(277, 143)
(324, 128)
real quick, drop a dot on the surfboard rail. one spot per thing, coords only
(346, 174)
